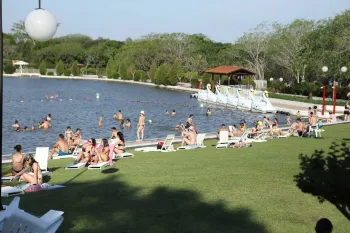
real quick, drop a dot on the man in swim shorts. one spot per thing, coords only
(61, 147)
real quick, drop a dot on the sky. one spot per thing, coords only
(220, 20)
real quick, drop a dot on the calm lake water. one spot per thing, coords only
(81, 113)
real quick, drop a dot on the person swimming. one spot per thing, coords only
(119, 116)
(15, 125)
(166, 112)
(208, 112)
(33, 128)
(100, 122)
(26, 128)
(128, 123)
(122, 124)
(48, 117)
(173, 112)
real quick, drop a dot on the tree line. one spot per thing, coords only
(296, 52)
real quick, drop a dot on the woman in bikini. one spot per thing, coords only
(36, 177)
(87, 151)
(17, 161)
(102, 151)
(120, 147)
(75, 140)
(68, 135)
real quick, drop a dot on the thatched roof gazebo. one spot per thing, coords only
(231, 71)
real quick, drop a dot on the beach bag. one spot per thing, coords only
(33, 188)
(160, 145)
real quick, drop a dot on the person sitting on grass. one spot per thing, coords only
(300, 128)
(87, 151)
(275, 131)
(36, 176)
(17, 160)
(332, 118)
(223, 128)
(60, 147)
(233, 132)
(190, 138)
(241, 144)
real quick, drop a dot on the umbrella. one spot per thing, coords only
(20, 64)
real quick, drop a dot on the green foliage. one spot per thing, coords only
(131, 71)
(59, 68)
(245, 82)
(75, 68)
(9, 68)
(327, 177)
(42, 68)
(50, 73)
(123, 70)
(152, 71)
(162, 75)
(91, 71)
(67, 72)
(138, 75)
(109, 68)
(143, 75)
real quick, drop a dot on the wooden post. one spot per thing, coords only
(248, 82)
(220, 80)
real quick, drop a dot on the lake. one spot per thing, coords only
(28, 101)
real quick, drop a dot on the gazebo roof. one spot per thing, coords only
(226, 70)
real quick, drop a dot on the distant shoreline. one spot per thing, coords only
(176, 88)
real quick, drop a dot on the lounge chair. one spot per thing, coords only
(167, 146)
(122, 155)
(14, 219)
(223, 140)
(8, 191)
(75, 166)
(98, 165)
(41, 156)
(200, 144)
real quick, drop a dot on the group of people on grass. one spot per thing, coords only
(45, 124)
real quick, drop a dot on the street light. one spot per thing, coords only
(281, 79)
(40, 25)
(271, 79)
(324, 69)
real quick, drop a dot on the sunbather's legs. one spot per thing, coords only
(54, 150)
(187, 141)
(28, 178)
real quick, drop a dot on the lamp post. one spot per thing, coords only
(324, 70)
(40, 25)
(281, 79)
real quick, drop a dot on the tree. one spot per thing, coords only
(109, 68)
(252, 49)
(139, 75)
(123, 70)
(152, 71)
(131, 71)
(288, 45)
(75, 69)
(42, 68)
(327, 177)
(59, 68)
(162, 74)
(175, 72)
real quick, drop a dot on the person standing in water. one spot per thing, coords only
(167, 112)
(100, 122)
(173, 113)
(141, 126)
(45, 124)
(15, 125)
(48, 117)
(119, 115)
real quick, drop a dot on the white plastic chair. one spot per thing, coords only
(16, 220)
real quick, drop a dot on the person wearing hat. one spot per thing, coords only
(141, 126)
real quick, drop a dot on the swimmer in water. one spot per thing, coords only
(45, 124)
(166, 112)
(15, 125)
(119, 116)
(48, 117)
(208, 112)
(173, 113)
(100, 122)
(18, 129)
(122, 124)
(33, 128)
(25, 128)
(128, 123)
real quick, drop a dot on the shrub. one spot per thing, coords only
(59, 68)
(109, 68)
(50, 73)
(115, 75)
(9, 68)
(123, 70)
(75, 69)
(245, 82)
(42, 68)
(91, 71)
(143, 76)
(67, 72)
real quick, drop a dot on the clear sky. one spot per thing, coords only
(221, 20)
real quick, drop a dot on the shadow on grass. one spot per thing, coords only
(113, 206)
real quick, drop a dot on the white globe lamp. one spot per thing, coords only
(324, 69)
(281, 79)
(271, 79)
(40, 25)
(344, 69)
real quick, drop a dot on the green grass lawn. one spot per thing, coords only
(205, 190)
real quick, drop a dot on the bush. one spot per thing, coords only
(50, 73)
(9, 68)
(123, 70)
(115, 75)
(42, 68)
(67, 72)
(245, 82)
(75, 68)
(59, 68)
(91, 71)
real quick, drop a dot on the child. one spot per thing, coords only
(319, 123)
(289, 120)
(298, 114)
(68, 135)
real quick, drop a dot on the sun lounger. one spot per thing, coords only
(75, 166)
(98, 165)
(69, 156)
(200, 144)
(41, 156)
(167, 146)
(122, 155)
(223, 140)
(8, 191)
(14, 219)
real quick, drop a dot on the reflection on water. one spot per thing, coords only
(83, 113)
